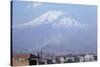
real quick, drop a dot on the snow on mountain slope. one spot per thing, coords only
(55, 18)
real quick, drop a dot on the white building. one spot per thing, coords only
(53, 61)
(61, 59)
(88, 58)
(81, 59)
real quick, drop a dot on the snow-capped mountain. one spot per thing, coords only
(55, 18)
(51, 32)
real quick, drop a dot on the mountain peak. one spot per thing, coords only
(55, 18)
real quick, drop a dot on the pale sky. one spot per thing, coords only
(54, 27)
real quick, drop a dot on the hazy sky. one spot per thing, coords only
(54, 27)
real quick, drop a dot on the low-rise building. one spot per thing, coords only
(20, 60)
(25, 60)
(81, 59)
(88, 58)
(61, 59)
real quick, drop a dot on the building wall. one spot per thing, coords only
(20, 63)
